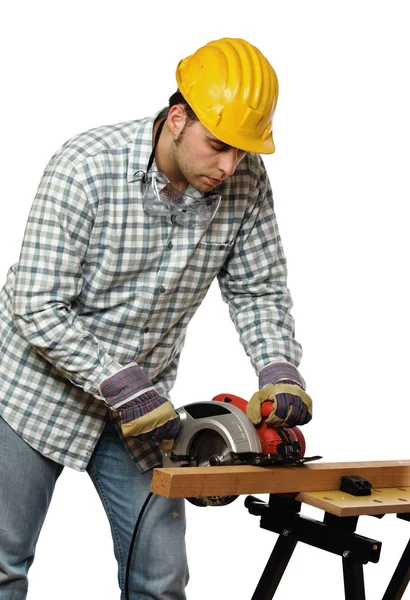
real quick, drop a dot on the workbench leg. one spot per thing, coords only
(275, 567)
(354, 580)
(400, 578)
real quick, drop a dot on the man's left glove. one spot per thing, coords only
(283, 386)
(143, 411)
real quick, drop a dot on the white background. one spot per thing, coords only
(341, 188)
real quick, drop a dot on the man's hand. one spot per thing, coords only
(144, 413)
(283, 385)
(149, 417)
(291, 405)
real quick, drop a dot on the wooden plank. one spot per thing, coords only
(381, 501)
(187, 482)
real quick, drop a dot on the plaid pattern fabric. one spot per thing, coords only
(291, 408)
(129, 383)
(281, 372)
(100, 285)
(146, 403)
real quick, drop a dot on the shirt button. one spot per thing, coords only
(162, 289)
(170, 245)
(146, 329)
(221, 247)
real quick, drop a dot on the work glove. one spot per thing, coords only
(283, 386)
(143, 412)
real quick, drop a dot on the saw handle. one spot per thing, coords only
(266, 408)
(268, 435)
(232, 399)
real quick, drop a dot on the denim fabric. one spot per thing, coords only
(27, 481)
(159, 567)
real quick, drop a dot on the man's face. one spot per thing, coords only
(202, 159)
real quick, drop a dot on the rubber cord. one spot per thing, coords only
(132, 544)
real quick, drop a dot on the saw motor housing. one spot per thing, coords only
(272, 439)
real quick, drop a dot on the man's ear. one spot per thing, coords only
(176, 119)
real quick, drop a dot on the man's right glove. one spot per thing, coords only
(143, 411)
(291, 405)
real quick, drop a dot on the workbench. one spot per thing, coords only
(314, 484)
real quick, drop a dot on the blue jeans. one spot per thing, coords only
(159, 568)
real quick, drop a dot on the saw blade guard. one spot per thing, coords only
(228, 427)
(211, 434)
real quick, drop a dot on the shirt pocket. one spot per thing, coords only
(216, 249)
(204, 265)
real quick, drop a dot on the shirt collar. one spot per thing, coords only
(141, 148)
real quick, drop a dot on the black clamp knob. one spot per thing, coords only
(355, 485)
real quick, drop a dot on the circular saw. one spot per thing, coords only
(219, 433)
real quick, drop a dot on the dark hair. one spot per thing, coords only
(177, 98)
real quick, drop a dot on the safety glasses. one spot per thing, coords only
(161, 198)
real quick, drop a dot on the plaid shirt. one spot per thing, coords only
(99, 285)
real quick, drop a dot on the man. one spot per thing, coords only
(130, 225)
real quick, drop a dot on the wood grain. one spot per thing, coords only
(187, 482)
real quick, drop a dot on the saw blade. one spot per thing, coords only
(210, 449)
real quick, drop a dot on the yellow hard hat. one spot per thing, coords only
(233, 90)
